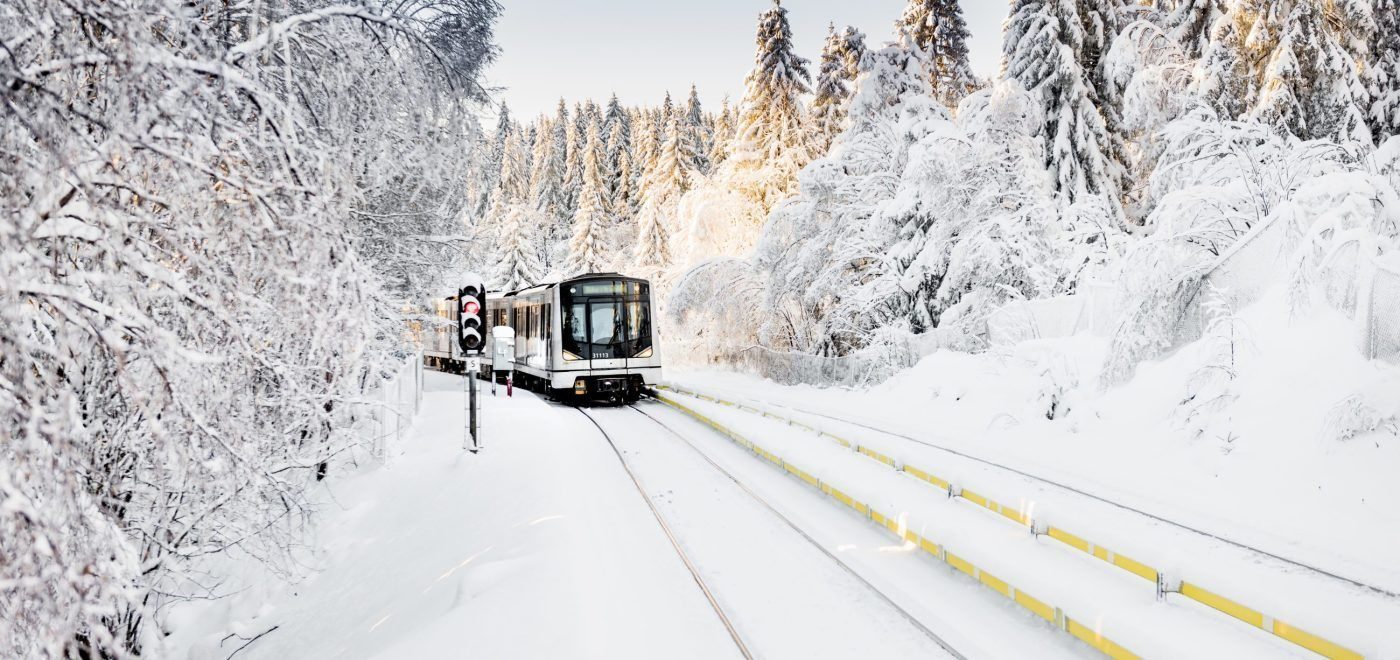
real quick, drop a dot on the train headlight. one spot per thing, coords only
(580, 386)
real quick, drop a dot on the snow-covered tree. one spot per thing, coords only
(619, 160)
(576, 134)
(587, 247)
(547, 193)
(700, 133)
(489, 177)
(199, 203)
(1044, 50)
(673, 173)
(1189, 22)
(724, 132)
(1297, 65)
(1383, 75)
(1311, 85)
(826, 254)
(835, 72)
(1149, 77)
(771, 141)
(937, 28)
(648, 148)
(513, 185)
(517, 254)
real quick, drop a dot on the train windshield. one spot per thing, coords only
(606, 319)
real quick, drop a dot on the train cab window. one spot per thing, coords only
(605, 329)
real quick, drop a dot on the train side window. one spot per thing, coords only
(638, 328)
(575, 336)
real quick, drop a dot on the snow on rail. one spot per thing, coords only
(1164, 582)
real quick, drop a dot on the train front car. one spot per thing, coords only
(607, 349)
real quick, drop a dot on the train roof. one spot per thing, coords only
(579, 278)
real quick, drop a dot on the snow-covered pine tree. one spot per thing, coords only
(831, 93)
(513, 185)
(490, 176)
(826, 254)
(1190, 22)
(667, 181)
(699, 130)
(617, 136)
(614, 114)
(771, 143)
(1383, 75)
(548, 198)
(648, 147)
(1297, 65)
(938, 29)
(517, 258)
(619, 159)
(592, 220)
(1043, 50)
(1311, 84)
(854, 50)
(1226, 74)
(724, 132)
(573, 159)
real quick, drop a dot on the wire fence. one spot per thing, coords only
(1381, 323)
(386, 413)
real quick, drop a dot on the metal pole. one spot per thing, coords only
(476, 445)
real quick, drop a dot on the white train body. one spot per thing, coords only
(592, 336)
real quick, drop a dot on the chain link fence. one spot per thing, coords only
(1381, 324)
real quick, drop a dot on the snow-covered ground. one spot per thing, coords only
(536, 547)
(1276, 467)
(541, 546)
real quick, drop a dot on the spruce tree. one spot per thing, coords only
(517, 262)
(577, 133)
(1294, 64)
(592, 219)
(938, 29)
(1383, 76)
(490, 164)
(1043, 51)
(1190, 22)
(772, 142)
(723, 133)
(618, 156)
(1311, 86)
(1225, 77)
(853, 51)
(672, 174)
(643, 159)
(513, 185)
(833, 92)
(547, 194)
(700, 133)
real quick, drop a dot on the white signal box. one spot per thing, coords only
(502, 348)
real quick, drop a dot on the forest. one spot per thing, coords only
(885, 192)
(216, 216)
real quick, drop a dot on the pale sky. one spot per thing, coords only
(639, 49)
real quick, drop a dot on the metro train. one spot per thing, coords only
(589, 337)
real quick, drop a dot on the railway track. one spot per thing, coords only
(675, 544)
(1317, 570)
(765, 504)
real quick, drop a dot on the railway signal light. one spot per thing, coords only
(471, 302)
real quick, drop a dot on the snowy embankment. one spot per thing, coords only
(536, 547)
(1281, 465)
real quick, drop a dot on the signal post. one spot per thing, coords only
(471, 338)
